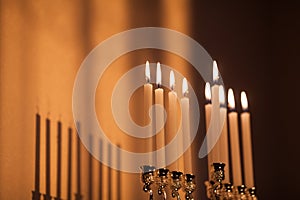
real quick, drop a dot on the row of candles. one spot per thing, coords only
(216, 105)
(182, 163)
(215, 97)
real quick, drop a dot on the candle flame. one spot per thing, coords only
(185, 89)
(231, 102)
(172, 80)
(207, 91)
(147, 72)
(158, 74)
(244, 100)
(221, 95)
(215, 71)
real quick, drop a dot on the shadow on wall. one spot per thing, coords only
(75, 177)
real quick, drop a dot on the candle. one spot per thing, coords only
(148, 88)
(234, 141)
(224, 155)
(185, 106)
(215, 111)
(159, 116)
(247, 142)
(207, 119)
(172, 119)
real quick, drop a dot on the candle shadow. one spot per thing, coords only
(100, 171)
(36, 193)
(47, 195)
(90, 170)
(58, 180)
(69, 178)
(119, 196)
(78, 195)
(109, 154)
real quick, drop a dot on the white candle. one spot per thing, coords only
(159, 116)
(172, 118)
(224, 155)
(234, 141)
(215, 109)
(247, 143)
(185, 106)
(148, 89)
(207, 119)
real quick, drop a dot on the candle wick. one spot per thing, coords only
(185, 94)
(172, 87)
(147, 79)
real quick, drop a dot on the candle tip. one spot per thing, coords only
(215, 71)
(207, 91)
(185, 89)
(231, 102)
(158, 74)
(147, 72)
(172, 80)
(244, 100)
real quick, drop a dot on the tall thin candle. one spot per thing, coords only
(159, 116)
(234, 140)
(185, 105)
(172, 117)
(215, 109)
(247, 143)
(223, 141)
(148, 89)
(207, 119)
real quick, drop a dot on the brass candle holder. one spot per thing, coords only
(217, 190)
(176, 183)
(162, 181)
(165, 179)
(189, 186)
(148, 179)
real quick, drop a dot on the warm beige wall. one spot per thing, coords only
(42, 46)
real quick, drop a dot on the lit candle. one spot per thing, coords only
(215, 109)
(159, 116)
(172, 120)
(247, 142)
(223, 141)
(207, 119)
(148, 89)
(185, 106)
(234, 141)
